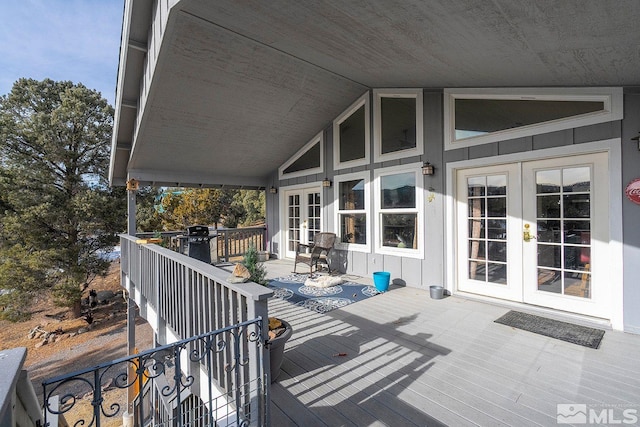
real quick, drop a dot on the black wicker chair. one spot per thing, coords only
(315, 252)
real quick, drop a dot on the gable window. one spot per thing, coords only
(482, 116)
(352, 193)
(307, 161)
(398, 128)
(398, 205)
(351, 135)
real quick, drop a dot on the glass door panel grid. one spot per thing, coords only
(314, 209)
(487, 228)
(294, 221)
(563, 220)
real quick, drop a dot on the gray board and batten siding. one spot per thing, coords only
(421, 273)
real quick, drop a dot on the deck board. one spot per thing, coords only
(414, 361)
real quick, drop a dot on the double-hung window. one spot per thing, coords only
(399, 213)
(352, 195)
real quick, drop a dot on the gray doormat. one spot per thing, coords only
(576, 334)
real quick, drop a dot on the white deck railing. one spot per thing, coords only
(181, 297)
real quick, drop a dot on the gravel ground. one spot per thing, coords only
(103, 341)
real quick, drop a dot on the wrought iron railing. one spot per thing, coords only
(167, 393)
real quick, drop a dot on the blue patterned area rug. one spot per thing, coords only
(322, 300)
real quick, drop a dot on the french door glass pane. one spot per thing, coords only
(548, 181)
(549, 231)
(476, 186)
(476, 207)
(497, 273)
(548, 206)
(576, 179)
(487, 233)
(564, 231)
(476, 228)
(497, 185)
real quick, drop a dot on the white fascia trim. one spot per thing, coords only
(612, 98)
(318, 139)
(378, 94)
(366, 175)
(337, 165)
(400, 252)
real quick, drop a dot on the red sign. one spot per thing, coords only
(633, 191)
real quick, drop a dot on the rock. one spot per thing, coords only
(105, 296)
(41, 343)
(107, 384)
(234, 279)
(51, 338)
(241, 271)
(71, 334)
(82, 330)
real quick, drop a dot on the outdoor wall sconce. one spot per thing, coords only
(326, 182)
(428, 169)
(273, 190)
(637, 139)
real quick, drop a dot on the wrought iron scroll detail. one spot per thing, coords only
(223, 352)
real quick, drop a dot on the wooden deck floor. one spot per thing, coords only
(414, 361)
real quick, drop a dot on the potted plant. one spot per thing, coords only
(279, 330)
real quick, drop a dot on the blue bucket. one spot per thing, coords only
(381, 280)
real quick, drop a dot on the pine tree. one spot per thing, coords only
(57, 213)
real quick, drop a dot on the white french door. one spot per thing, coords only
(303, 217)
(536, 232)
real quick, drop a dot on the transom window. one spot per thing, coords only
(307, 161)
(399, 214)
(351, 135)
(482, 116)
(352, 194)
(398, 128)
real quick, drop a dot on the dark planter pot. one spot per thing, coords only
(276, 350)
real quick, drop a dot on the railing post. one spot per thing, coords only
(264, 239)
(260, 395)
(226, 246)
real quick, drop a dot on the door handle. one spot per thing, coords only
(526, 234)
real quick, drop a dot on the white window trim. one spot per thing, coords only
(316, 139)
(419, 210)
(611, 96)
(337, 165)
(378, 94)
(367, 211)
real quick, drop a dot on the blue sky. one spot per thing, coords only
(77, 40)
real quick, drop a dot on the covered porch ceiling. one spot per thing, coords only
(239, 87)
